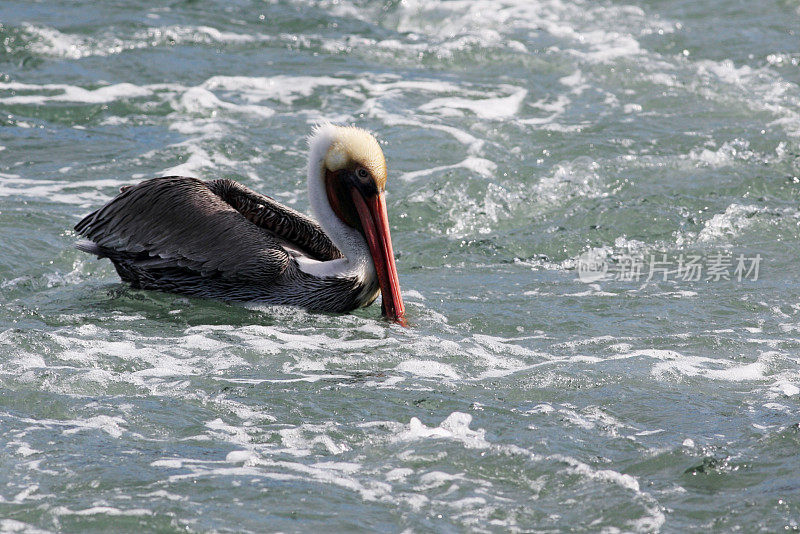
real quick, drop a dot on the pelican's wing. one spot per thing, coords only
(294, 227)
(181, 222)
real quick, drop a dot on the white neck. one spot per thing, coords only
(357, 260)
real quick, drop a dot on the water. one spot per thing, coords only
(520, 135)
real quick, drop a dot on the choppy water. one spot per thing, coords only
(520, 134)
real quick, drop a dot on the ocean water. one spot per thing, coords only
(555, 165)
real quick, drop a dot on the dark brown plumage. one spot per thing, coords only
(218, 239)
(214, 239)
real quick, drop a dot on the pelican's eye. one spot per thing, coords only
(362, 173)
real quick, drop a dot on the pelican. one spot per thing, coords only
(218, 239)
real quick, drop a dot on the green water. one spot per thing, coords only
(522, 137)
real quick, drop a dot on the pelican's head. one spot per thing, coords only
(354, 173)
(352, 149)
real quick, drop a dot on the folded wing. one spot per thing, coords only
(182, 223)
(289, 225)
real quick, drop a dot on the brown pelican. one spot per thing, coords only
(218, 239)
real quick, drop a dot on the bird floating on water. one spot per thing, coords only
(218, 239)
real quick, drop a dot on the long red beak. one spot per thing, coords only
(372, 212)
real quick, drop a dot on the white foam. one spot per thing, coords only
(178, 34)
(399, 474)
(752, 371)
(544, 408)
(52, 42)
(332, 473)
(730, 223)
(27, 493)
(725, 70)
(303, 440)
(556, 108)
(786, 388)
(390, 86)
(486, 108)
(454, 427)
(579, 177)
(375, 109)
(48, 41)
(25, 450)
(649, 432)
(240, 457)
(726, 155)
(625, 481)
(576, 81)
(716, 369)
(164, 494)
(285, 89)
(110, 425)
(102, 510)
(200, 100)
(760, 89)
(8, 526)
(455, 26)
(427, 369)
(169, 463)
(222, 37)
(433, 479)
(480, 166)
(72, 93)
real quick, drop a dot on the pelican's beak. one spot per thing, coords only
(375, 221)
